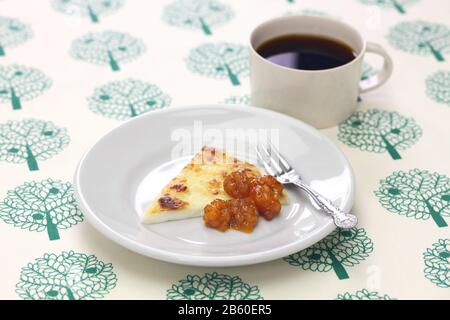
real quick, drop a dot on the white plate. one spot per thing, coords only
(126, 169)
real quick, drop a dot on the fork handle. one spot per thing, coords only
(341, 219)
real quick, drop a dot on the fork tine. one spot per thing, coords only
(273, 162)
(284, 163)
(264, 162)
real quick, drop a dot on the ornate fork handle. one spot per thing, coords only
(341, 219)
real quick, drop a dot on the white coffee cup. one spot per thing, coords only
(322, 98)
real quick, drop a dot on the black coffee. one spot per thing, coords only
(306, 52)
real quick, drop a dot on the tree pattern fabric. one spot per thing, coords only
(127, 98)
(213, 286)
(437, 263)
(342, 248)
(422, 38)
(197, 14)
(19, 83)
(310, 12)
(107, 48)
(30, 140)
(220, 61)
(93, 9)
(47, 205)
(419, 194)
(48, 89)
(363, 294)
(398, 5)
(438, 87)
(367, 71)
(66, 276)
(13, 32)
(238, 99)
(380, 131)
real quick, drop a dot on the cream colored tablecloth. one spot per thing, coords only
(403, 204)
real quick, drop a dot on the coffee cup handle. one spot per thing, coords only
(383, 75)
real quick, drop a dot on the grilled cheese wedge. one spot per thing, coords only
(199, 183)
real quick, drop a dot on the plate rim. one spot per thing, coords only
(208, 261)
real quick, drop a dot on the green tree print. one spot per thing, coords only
(127, 98)
(213, 286)
(30, 140)
(220, 61)
(379, 131)
(18, 83)
(421, 37)
(12, 33)
(197, 14)
(367, 71)
(437, 263)
(419, 194)
(87, 8)
(363, 294)
(310, 12)
(238, 99)
(438, 87)
(342, 248)
(66, 276)
(47, 205)
(107, 48)
(398, 5)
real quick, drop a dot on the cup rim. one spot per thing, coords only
(277, 19)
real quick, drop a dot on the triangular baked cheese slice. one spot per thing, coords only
(198, 184)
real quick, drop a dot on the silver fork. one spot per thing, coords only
(276, 165)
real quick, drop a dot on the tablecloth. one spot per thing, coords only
(67, 71)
